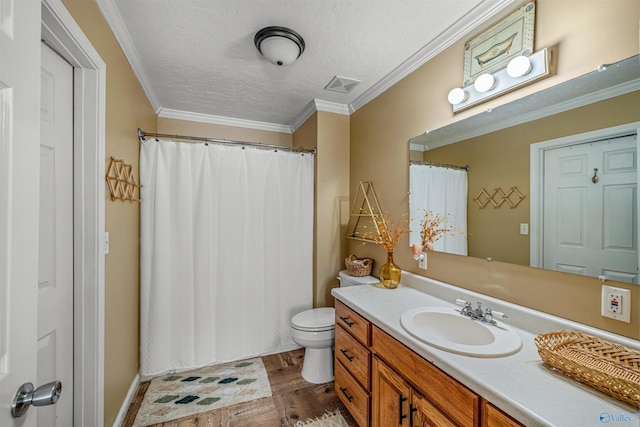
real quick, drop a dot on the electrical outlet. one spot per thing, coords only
(616, 303)
(422, 262)
(106, 242)
(524, 228)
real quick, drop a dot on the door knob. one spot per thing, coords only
(46, 394)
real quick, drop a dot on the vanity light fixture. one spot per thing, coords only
(520, 71)
(457, 95)
(484, 83)
(279, 45)
(519, 66)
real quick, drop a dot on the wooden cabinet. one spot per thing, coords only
(425, 395)
(353, 362)
(396, 403)
(383, 383)
(494, 417)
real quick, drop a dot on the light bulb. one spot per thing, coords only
(519, 66)
(484, 83)
(457, 96)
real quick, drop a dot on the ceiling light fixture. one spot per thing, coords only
(280, 45)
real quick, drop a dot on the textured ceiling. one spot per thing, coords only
(196, 58)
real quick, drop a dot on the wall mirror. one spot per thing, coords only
(504, 149)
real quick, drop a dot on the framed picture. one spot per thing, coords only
(492, 50)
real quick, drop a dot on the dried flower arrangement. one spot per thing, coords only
(388, 232)
(435, 225)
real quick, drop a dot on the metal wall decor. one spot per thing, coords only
(122, 181)
(484, 198)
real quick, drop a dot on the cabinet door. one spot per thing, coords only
(494, 417)
(425, 414)
(390, 396)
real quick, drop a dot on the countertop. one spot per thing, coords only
(521, 384)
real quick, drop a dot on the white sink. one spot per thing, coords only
(446, 329)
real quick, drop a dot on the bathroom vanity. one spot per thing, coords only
(385, 376)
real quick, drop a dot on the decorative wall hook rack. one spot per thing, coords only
(122, 181)
(365, 214)
(483, 198)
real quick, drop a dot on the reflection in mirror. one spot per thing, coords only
(497, 146)
(438, 206)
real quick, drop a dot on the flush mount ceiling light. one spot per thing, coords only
(280, 45)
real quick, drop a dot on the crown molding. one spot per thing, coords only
(221, 120)
(417, 147)
(319, 105)
(111, 14)
(478, 16)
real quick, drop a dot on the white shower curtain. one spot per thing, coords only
(442, 191)
(226, 252)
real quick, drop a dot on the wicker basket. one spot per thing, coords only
(611, 368)
(358, 267)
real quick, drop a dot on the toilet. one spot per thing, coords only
(314, 330)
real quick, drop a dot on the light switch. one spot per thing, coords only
(524, 229)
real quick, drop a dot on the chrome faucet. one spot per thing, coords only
(485, 316)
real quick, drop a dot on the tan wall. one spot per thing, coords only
(329, 133)
(127, 108)
(501, 160)
(332, 199)
(208, 130)
(599, 32)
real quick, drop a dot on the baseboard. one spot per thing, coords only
(127, 401)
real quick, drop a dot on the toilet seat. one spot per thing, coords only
(314, 320)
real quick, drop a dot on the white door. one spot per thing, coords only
(55, 272)
(19, 163)
(590, 209)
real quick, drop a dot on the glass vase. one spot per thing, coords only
(390, 273)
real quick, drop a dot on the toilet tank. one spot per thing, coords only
(348, 280)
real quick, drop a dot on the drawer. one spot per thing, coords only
(452, 398)
(354, 357)
(354, 397)
(357, 325)
(494, 417)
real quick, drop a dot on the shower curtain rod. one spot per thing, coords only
(442, 165)
(142, 135)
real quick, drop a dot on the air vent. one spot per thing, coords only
(342, 84)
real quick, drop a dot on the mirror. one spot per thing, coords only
(497, 146)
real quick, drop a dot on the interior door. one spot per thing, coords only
(55, 261)
(590, 209)
(19, 162)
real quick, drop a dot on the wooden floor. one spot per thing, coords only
(292, 400)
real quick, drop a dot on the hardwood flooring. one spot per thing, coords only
(292, 400)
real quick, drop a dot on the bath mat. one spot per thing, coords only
(182, 394)
(329, 419)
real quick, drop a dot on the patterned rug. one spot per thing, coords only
(183, 394)
(329, 419)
